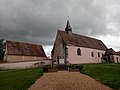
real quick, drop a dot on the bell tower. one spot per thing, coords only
(68, 28)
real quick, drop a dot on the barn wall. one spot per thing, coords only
(85, 57)
(14, 58)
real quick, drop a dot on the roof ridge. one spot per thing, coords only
(24, 42)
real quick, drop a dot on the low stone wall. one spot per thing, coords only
(21, 65)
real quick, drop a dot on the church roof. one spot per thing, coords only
(25, 49)
(82, 41)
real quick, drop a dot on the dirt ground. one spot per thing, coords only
(64, 80)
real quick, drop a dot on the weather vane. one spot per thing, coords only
(68, 17)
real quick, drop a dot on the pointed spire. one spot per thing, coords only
(68, 28)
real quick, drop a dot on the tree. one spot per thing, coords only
(2, 49)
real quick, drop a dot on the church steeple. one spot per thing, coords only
(68, 28)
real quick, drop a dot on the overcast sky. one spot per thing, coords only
(38, 21)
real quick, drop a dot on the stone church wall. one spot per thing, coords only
(85, 56)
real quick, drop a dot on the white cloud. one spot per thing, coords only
(111, 41)
(48, 50)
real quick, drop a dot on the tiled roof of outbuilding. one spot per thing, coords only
(82, 41)
(26, 49)
(110, 51)
(118, 53)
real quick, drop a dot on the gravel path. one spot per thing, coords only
(64, 80)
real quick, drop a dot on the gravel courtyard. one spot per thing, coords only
(64, 80)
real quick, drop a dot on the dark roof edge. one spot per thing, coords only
(61, 36)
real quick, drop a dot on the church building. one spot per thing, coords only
(71, 48)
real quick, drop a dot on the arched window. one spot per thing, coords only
(79, 52)
(98, 54)
(92, 54)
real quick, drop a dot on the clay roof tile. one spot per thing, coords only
(26, 49)
(82, 41)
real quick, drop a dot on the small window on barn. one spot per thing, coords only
(92, 54)
(98, 54)
(79, 52)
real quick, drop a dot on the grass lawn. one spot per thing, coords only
(108, 74)
(19, 79)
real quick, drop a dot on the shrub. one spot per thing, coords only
(45, 69)
(48, 67)
(76, 66)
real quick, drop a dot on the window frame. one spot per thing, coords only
(98, 54)
(78, 51)
(92, 54)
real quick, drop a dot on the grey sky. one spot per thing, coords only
(37, 21)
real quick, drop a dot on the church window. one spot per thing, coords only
(92, 54)
(98, 54)
(79, 52)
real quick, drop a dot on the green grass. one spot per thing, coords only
(108, 74)
(19, 79)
